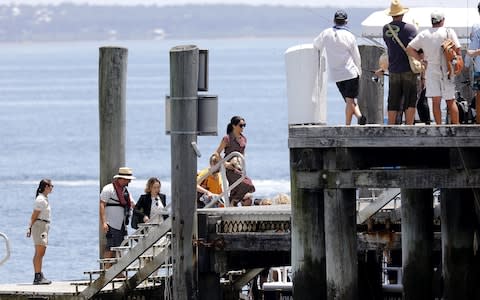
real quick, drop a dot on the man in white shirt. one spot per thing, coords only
(115, 205)
(344, 63)
(437, 81)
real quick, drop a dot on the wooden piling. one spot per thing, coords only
(183, 94)
(208, 279)
(112, 78)
(457, 217)
(341, 244)
(371, 94)
(417, 243)
(308, 233)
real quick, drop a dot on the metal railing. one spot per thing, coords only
(7, 248)
(220, 166)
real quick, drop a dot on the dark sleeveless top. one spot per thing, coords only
(234, 144)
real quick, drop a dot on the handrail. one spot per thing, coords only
(220, 166)
(7, 248)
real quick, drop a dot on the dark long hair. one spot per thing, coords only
(42, 185)
(234, 121)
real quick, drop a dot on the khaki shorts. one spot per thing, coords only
(440, 86)
(40, 233)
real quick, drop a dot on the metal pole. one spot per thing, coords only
(112, 78)
(183, 94)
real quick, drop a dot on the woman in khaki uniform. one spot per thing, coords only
(38, 228)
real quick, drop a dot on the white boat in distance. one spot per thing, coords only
(459, 19)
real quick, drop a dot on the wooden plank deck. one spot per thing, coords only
(60, 290)
(56, 290)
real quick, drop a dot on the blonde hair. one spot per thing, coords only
(282, 199)
(150, 182)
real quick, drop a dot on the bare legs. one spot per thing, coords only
(452, 109)
(38, 258)
(108, 254)
(392, 117)
(409, 116)
(37, 265)
(351, 109)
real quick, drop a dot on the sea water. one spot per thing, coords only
(49, 128)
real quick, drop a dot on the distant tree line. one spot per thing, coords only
(83, 22)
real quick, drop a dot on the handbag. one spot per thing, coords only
(454, 60)
(136, 219)
(415, 65)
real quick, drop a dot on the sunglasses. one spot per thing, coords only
(242, 125)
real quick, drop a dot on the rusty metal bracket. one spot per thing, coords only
(218, 243)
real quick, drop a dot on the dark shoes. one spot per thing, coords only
(362, 120)
(39, 279)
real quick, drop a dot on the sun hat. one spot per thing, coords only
(340, 15)
(396, 9)
(125, 173)
(437, 16)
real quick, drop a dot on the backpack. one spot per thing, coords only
(454, 60)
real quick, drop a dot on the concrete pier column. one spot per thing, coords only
(457, 216)
(341, 244)
(417, 243)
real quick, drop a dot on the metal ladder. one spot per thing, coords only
(7, 248)
(131, 258)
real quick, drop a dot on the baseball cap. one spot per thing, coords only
(341, 15)
(437, 17)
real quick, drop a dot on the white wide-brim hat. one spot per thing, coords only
(125, 173)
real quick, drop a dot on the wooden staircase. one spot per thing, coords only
(141, 253)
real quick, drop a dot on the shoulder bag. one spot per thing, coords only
(454, 60)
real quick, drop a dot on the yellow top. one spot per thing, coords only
(212, 183)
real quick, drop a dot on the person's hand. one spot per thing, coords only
(379, 73)
(29, 231)
(146, 219)
(229, 165)
(105, 227)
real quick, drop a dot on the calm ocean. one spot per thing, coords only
(49, 128)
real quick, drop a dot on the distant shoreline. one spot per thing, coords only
(70, 22)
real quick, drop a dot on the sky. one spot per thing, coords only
(313, 3)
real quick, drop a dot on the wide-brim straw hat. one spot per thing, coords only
(125, 173)
(396, 9)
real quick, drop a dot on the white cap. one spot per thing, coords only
(437, 17)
